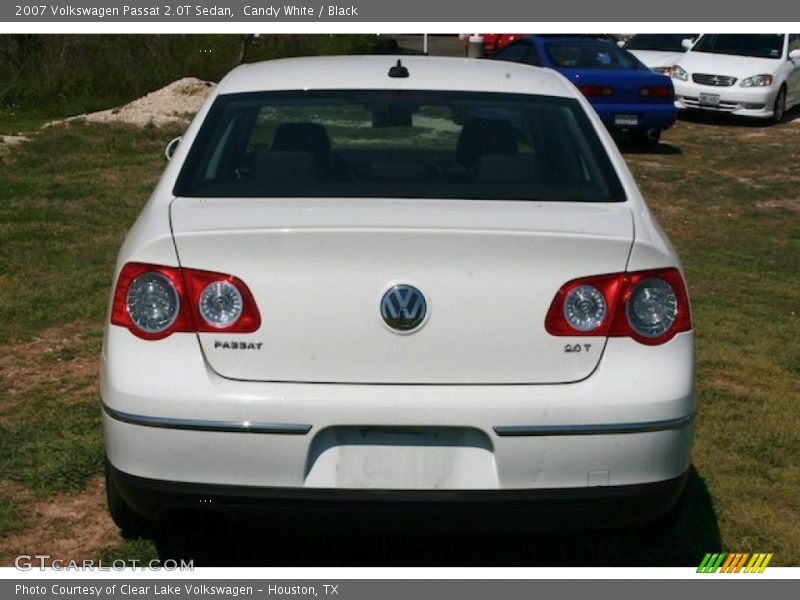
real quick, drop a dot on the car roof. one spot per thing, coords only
(372, 72)
(544, 37)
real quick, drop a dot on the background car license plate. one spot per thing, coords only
(626, 120)
(709, 99)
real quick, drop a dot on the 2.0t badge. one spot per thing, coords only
(403, 308)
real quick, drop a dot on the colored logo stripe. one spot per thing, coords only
(734, 562)
(758, 563)
(711, 563)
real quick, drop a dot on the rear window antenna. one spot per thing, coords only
(398, 71)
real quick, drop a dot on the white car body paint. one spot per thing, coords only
(657, 59)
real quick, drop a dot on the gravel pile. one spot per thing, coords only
(172, 104)
(9, 141)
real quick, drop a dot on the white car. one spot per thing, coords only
(659, 51)
(750, 75)
(369, 283)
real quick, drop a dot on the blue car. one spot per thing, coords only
(625, 93)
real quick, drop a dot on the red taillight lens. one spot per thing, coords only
(648, 306)
(197, 282)
(558, 322)
(153, 302)
(656, 91)
(596, 90)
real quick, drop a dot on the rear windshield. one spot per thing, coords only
(757, 45)
(399, 144)
(582, 53)
(665, 42)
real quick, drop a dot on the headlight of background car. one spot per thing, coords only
(678, 73)
(757, 81)
(663, 70)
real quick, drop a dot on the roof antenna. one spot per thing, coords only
(398, 71)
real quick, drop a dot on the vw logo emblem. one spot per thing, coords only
(403, 308)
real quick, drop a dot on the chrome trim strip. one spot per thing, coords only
(199, 425)
(600, 429)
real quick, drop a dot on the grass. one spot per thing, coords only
(730, 202)
(726, 193)
(60, 229)
(60, 74)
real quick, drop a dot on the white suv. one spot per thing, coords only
(371, 283)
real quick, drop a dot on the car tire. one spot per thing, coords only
(646, 140)
(779, 108)
(131, 524)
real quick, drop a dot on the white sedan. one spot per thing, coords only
(750, 75)
(366, 283)
(659, 51)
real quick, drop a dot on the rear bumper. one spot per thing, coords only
(542, 509)
(649, 116)
(629, 423)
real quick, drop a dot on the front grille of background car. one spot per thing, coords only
(715, 80)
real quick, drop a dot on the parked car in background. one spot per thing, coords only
(421, 285)
(625, 93)
(492, 42)
(659, 51)
(750, 75)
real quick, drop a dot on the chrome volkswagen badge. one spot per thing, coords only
(403, 308)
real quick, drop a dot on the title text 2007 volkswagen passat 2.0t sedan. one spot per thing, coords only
(431, 285)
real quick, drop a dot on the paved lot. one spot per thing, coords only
(438, 45)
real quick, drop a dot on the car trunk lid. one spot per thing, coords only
(318, 269)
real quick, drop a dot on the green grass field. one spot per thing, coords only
(728, 195)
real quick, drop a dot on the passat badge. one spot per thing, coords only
(238, 345)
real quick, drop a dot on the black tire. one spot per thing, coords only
(642, 140)
(131, 524)
(779, 108)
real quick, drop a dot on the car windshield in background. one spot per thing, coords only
(756, 45)
(398, 144)
(590, 54)
(663, 42)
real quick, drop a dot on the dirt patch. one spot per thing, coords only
(14, 491)
(54, 357)
(67, 526)
(13, 140)
(9, 142)
(755, 133)
(792, 204)
(172, 104)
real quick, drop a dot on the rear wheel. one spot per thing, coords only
(646, 139)
(779, 109)
(131, 524)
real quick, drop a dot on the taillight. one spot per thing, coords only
(153, 302)
(221, 303)
(596, 90)
(572, 303)
(656, 91)
(648, 306)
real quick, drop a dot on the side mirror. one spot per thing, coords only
(687, 43)
(794, 54)
(171, 147)
(621, 43)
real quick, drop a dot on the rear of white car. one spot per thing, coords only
(430, 284)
